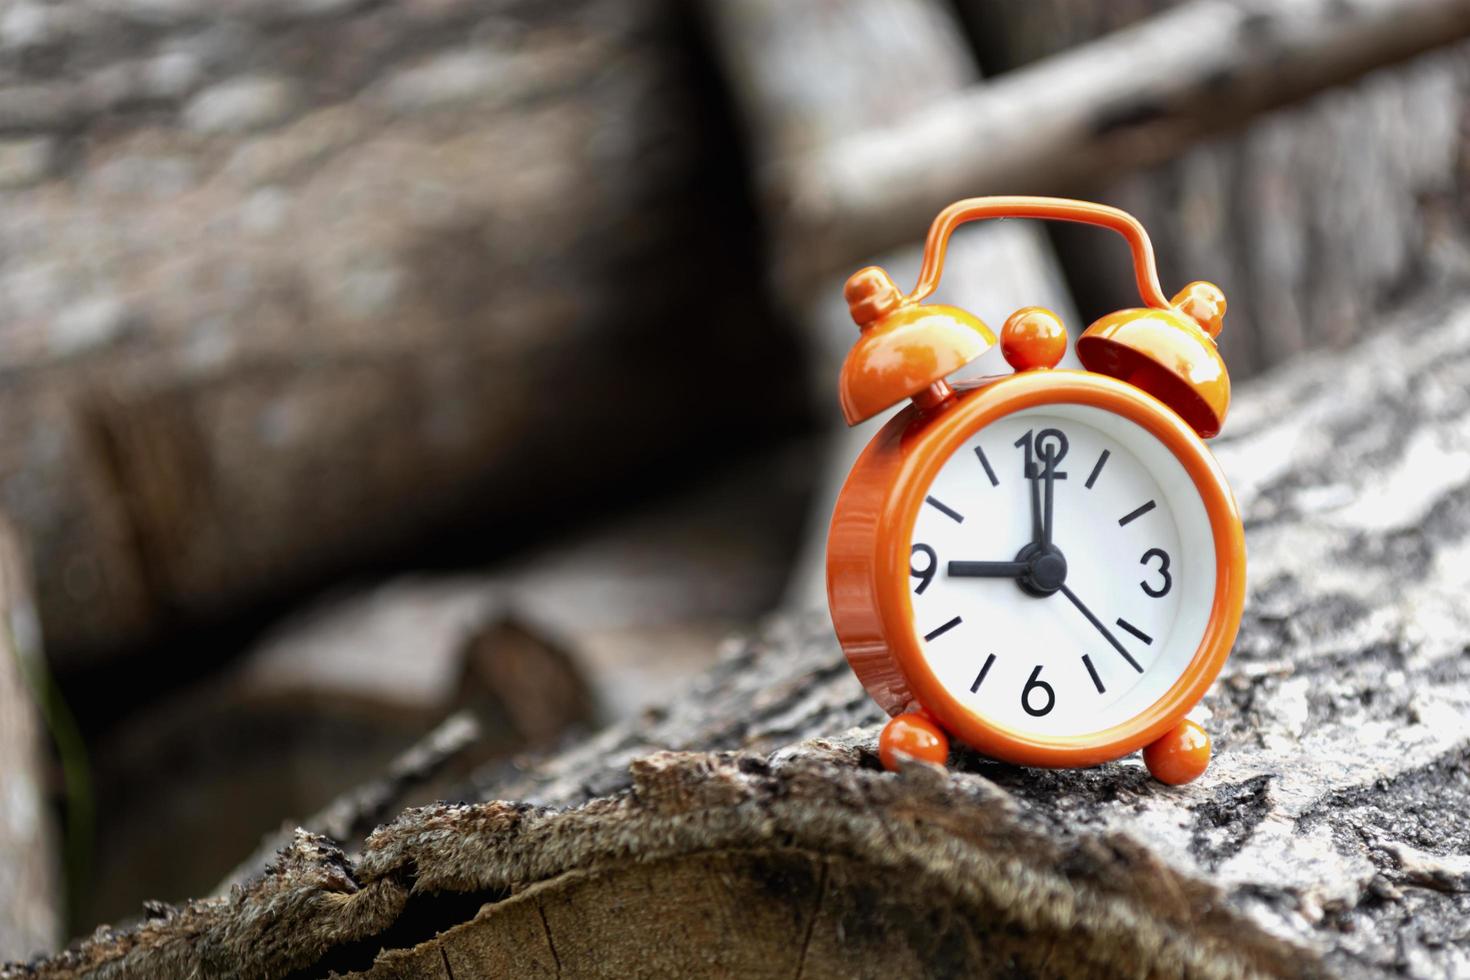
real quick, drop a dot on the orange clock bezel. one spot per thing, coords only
(868, 557)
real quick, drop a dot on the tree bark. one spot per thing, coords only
(289, 288)
(748, 827)
(30, 888)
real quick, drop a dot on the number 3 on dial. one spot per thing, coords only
(1163, 569)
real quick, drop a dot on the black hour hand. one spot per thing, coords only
(987, 569)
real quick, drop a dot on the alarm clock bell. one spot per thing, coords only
(907, 349)
(1170, 354)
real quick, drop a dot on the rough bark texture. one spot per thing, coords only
(352, 815)
(258, 747)
(1313, 219)
(748, 825)
(287, 286)
(30, 906)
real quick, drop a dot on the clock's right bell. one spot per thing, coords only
(1170, 354)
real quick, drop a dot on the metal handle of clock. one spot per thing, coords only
(1046, 209)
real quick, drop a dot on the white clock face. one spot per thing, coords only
(1077, 635)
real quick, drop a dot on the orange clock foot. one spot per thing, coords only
(912, 735)
(1180, 756)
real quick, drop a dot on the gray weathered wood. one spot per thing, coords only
(287, 287)
(1137, 96)
(804, 77)
(1314, 218)
(1327, 837)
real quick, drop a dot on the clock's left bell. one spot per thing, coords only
(905, 347)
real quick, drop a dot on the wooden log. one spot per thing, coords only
(325, 706)
(836, 69)
(1131, 98)
(592, 627)
(851, 67)
(1277, 214)
(748, 827)
(289, 288)
(30, 887)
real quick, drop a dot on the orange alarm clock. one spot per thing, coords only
(1048, 566)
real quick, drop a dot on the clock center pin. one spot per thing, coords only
(1046, 569)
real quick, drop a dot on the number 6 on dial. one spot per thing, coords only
(983, 591)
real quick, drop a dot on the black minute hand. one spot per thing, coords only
(987, 569)
(1050, 463)
(1100, 627)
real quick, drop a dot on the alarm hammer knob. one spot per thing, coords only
(1204, 303)
(870, 295)
(905, 348)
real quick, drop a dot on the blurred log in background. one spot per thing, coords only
(296, 297)
(1316, 219)
(368, 369)
(288, 290)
